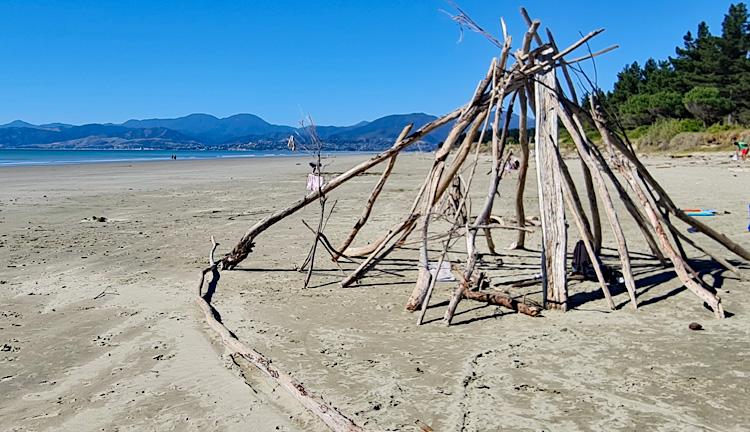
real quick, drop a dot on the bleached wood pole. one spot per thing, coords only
(533, 26)
(549, 185)
(574, 206)
(423, 280)
(498, 148)
(463, 152)
(463, 204)
(596, 222)
(424, 277)
(369, 249)
(457, 221)
(433, 281)
(523, 141)
(381, 251)
(523, 134)
(630, 173)
(563, 67)
(596, 225)
(498, 168)
(567, 182)
(475, 118)
(373, 195)
(679, 265)
(640, 220)
(614, 222)
(471, 260)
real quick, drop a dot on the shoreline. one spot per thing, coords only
(162, 156)
(720, 154)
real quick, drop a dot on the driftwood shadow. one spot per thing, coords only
(654, 278)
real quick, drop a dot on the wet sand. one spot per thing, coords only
(99, 330)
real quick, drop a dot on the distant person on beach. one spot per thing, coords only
(512, 164)
(742, 149)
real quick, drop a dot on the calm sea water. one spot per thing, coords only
(62, 157)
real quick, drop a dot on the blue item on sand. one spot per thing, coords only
(701, 213)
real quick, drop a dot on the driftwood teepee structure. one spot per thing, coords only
(535, 78)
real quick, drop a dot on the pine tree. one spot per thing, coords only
(734, 44)
(642, 94)
(628, 84)
(700, 61)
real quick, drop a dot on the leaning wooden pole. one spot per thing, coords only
(370, 249)
(596, 221)
(422, 285)
(638, 217)
(407, 224)
(574, 206)
(373, 196)
(722, 261)
(498, 144)
(498, 161)
(567, 182)
(441, 177)
(523, 142)
(523, 134)
(424, 277)
(630, 173)
(680, 267)
(463, 152)
(614, 222)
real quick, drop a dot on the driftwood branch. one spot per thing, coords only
(374, 194)
(584, 151)
(315, 404)
(328, 414)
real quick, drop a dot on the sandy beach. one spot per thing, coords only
(99, 330)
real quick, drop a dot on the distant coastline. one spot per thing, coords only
(38, 157)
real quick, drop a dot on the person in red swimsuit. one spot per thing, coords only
(742, 149)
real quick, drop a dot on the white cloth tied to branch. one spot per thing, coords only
(315, 182)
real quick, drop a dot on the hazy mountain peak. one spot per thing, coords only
(18, 124)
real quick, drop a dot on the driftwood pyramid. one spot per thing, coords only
(534, 78)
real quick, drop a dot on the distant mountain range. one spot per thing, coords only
(204, 131)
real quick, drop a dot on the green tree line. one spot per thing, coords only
(708, 79)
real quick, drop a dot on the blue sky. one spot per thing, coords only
(341, 61)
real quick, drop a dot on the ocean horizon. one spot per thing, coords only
(37, 157)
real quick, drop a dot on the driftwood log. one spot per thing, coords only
(315, 404)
